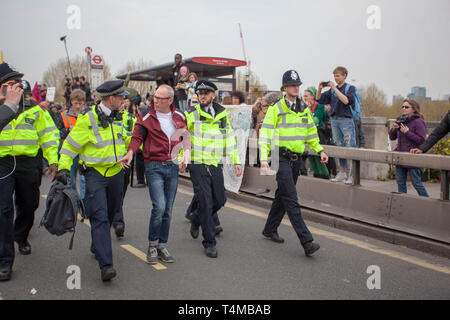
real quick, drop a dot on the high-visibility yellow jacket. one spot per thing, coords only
(211, 138)
(283, 127)
(99, 148)
(32, 130)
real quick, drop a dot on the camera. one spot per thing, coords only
(325, 84)
(401, 120)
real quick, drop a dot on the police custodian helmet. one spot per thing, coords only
(291, 78)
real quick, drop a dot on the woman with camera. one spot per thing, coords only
(410, 130)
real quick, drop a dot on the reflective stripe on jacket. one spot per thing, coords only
(211, 138)
(33, 129)
(99, 148)
(283, 127)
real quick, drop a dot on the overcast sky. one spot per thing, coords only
(313, 37)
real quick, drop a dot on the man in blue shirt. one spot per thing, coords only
(341, 100)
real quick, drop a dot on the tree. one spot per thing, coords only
(374, 101)
(57, 73)
(140, 86)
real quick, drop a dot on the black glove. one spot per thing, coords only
(63, 176)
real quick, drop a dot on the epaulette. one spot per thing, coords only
(85, 110)
(191, 109)
(276, 101)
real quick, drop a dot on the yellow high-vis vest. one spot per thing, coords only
(33, 129)
(99, 148)
(283, 127)
(211, 138)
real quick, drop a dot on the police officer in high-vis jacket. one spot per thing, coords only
(21, 143)
(211, 140)
(100, 138)
(287, 127)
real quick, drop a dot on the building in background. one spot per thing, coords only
(418, 93)
(396, 98)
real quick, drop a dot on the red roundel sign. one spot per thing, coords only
(97, 61)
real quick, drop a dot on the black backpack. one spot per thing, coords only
(61, 213)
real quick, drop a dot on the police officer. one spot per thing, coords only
(288, 125)
(100, 138)
(211, 135)
(21, 141)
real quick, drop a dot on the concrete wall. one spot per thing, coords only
(376, 133)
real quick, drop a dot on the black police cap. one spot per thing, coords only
(205, 86)
(112, 88)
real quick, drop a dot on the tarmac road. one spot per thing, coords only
(248, 267)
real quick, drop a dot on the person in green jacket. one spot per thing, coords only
(319, 116)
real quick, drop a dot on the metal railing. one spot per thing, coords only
(438, 162)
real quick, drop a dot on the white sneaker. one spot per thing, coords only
(341, 176)
(349, 181)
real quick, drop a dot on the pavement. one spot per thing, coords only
(248, 266)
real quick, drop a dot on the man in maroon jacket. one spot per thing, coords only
(161, 131)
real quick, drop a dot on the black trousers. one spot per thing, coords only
(286, 200)
(23, 183)
(103, 202)
(193, 212)
(209, 191)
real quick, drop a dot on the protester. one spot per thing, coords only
(160, 132)
(84, 85)
(175, 76)
(181, 89)
(261, 109)
(410, 130)
(226, 101)
(343, 127)
(192, 96)
(237, 98)
(320, 117)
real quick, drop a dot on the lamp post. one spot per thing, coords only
(63, 38)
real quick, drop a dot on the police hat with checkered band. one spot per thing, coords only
(111, 88)
(204, 86)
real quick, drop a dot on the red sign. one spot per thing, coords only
(97, 61)
(220, 62)
(88, 50)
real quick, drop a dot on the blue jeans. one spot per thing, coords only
(343, 130)
(416, 179)
(162, 185)
(73, 178)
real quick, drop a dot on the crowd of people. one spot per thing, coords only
(180, 126)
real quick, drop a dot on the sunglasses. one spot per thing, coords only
(406, 107)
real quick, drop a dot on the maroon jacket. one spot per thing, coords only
(157, 146)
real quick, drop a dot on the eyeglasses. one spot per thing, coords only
(406, 107)
(159, 98)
